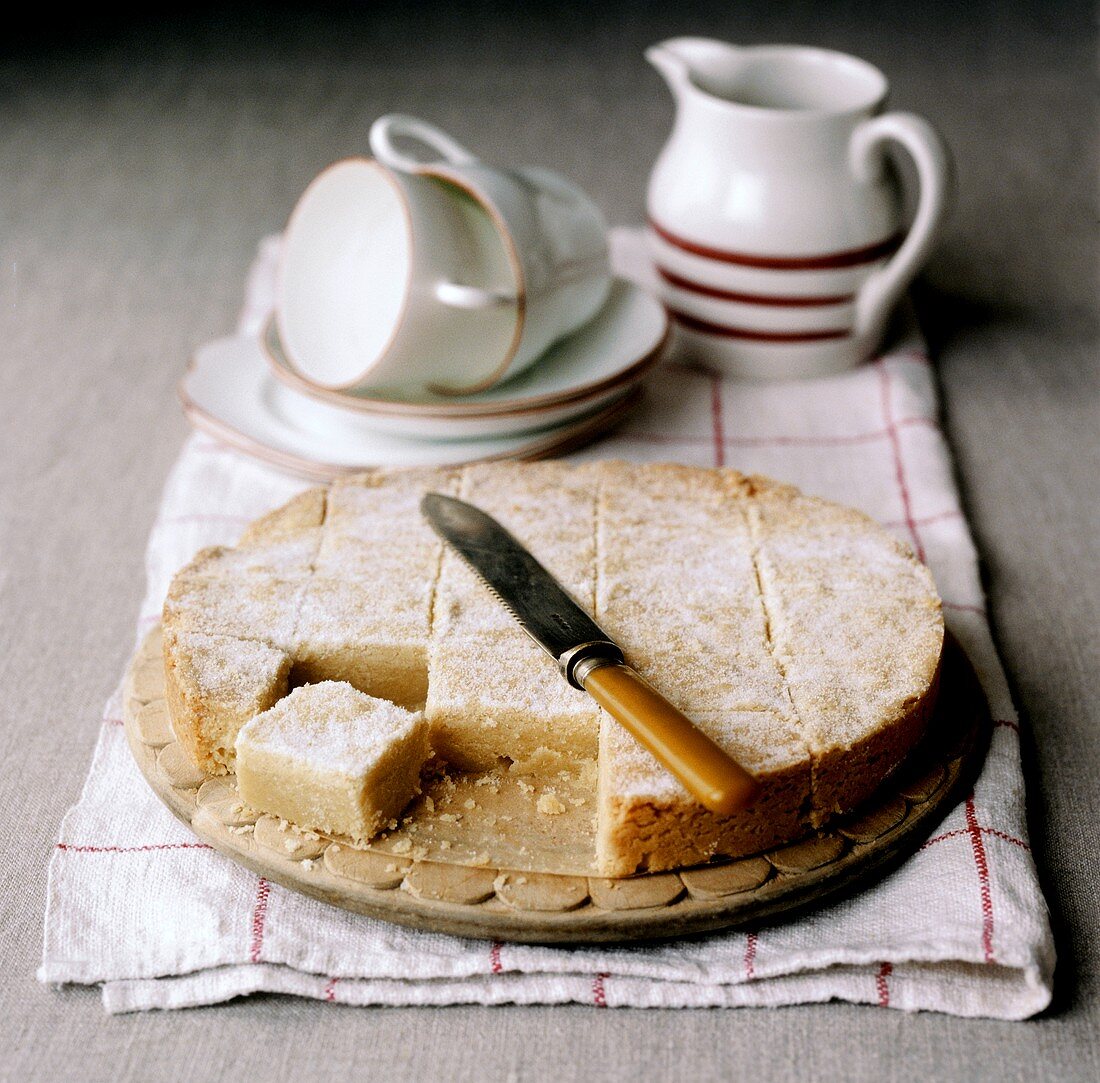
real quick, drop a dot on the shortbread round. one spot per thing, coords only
(797, 633)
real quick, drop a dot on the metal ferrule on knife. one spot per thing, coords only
(579, 661)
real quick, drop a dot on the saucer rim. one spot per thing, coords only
(532, 404)
(556, 441)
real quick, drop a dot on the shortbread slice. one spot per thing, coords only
(550, 508)
(649, 822)
(857, 628)
(492, 693)
(214, 684)
(365, 616)
(257, 607)
(372, 635)
(498, 696)
(329, 758)
(374, 530)
(285, 557)
(677, 588)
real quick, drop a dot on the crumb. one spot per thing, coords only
(578, 801)
(469, 803)
(429, 805)
(402, 846)
(526, 787)
(335, 847)
(308, 864)
(445, 845)
(290, 845)
(549, 805)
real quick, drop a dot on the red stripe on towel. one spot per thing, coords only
(899, 466)
(750, 956)
(599, 992)
(259, 919)
(982, 864)
(68, 847)
(883, 986)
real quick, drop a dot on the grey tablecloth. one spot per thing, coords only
(139, 166)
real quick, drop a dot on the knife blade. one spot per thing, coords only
(589, 659)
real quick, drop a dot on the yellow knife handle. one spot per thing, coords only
(709, 774)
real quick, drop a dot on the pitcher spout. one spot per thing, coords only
(683, 61)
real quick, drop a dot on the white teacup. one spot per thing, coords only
(394, 282)
(556, 238)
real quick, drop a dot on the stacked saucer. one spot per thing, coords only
(437, 312)
(242, 391)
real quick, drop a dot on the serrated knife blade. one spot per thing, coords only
(588, 658)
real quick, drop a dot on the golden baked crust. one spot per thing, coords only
(800, 635)
(214, 684)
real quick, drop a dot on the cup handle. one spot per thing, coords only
(396, 125)
(935, 177)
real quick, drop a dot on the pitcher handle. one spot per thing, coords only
(396, 125)
(935, 177)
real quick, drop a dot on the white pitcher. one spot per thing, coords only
(774, 212)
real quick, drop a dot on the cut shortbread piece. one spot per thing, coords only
(677, 589)
(257, 607)
(499, 696)
(330, 758)
(367, 634)
(365, 617)
(550, 508)
(857, 628)
(285, 557)
(492, 693)
(216, 683)
(374, 530)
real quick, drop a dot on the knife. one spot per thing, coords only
(588, 658)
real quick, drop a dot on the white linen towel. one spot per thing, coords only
(138, 904)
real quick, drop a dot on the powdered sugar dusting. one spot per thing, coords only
(229, 671)
(332, 727)
(781, 624)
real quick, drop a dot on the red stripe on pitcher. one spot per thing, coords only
(829, 261)
(691, 286)
(693, 323)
